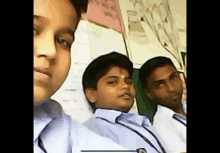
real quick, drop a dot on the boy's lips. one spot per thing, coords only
(43, 70)
(42, 74)
(126, 95)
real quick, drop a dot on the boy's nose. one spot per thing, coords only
(125, 84)
(170, 87)
(46, 48)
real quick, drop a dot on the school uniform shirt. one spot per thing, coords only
(56, 132)
(129, 130)
(170, 128)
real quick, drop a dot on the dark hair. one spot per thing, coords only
(100, 66)
(150, 65)
(80, 6)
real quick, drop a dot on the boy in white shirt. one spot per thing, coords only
(161, 81)
(108, 86)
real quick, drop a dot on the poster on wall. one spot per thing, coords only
(105, 27)
(104, 13)
(150, 29)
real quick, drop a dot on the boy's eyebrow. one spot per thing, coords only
(39, 17)
(112, 76)
(174, 73)
(115, 76)
(63, 30)
(68, 31)
(158, 82)
(162, 80)
(128, 77)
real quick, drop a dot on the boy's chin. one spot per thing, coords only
(124, 109)
(40, 95)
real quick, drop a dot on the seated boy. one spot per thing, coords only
(162, 82)
(108, 86)
(55, 23)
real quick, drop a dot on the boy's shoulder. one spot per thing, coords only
(60, 119)
(103, 121)
(93, 124)
(96, 124)
(71, 132)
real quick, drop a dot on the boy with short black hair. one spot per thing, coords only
(161, 81)
(97, 69)
(55, 22)
(108, 86)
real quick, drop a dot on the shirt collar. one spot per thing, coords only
(136, 119)
(111, 116)
(169, 112)
(45, 113)
(108, 114)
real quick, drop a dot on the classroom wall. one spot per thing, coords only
(93, 40)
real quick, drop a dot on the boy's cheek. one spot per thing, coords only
(43, 91)
(40, 94)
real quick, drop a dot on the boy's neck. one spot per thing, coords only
(179, 109)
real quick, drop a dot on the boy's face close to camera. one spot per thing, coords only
(115, 90)
(54, 25)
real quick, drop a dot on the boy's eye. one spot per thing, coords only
(112, 82)
(65, 43)
(174, 76)
(35, 31)
(129, 81)
(159, 85)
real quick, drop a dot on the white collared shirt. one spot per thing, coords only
(108, 123)
(60, 134)
(170, 128)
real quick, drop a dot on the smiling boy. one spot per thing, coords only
(55, 22)
(108, 86)
(161, 81)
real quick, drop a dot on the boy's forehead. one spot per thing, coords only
(117, 71)
(56, 10)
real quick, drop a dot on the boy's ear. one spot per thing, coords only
(148, 93)
(91, 94)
